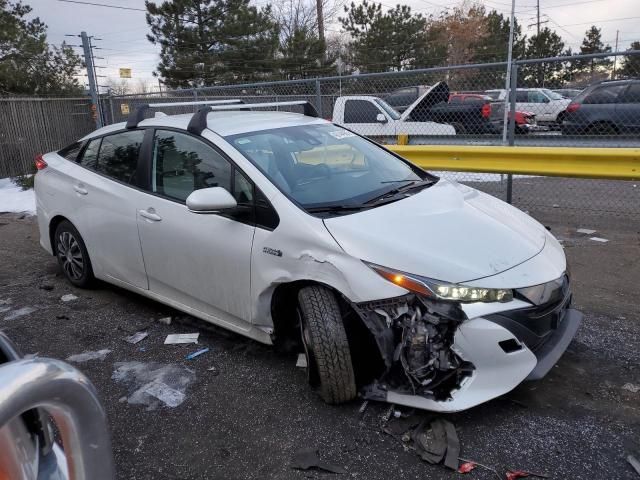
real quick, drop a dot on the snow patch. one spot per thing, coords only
(154, 384)
(20, 312)
(86, 356)
(14, 199)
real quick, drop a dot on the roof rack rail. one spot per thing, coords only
(138, 114)
(199, 120)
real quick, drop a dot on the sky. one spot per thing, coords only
(124, 45)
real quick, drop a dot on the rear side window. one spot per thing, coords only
(522, 96)
(118, 157)
(632, 95)
(604, 94)
(360, 111)
(455, 100)
(71, 152)
(90, 156)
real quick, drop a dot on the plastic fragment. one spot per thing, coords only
(512, 475)
(634, 462)
(174, 338)
(630, 387)
(586, 231)
(308, 458)
(165, 320)
(197, 353)
(68, 297)
(598, 239)
(466, 467)
(301, 362)
(136, 337)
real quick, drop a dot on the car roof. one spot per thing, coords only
(222, 122)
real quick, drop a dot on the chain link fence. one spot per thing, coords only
(578, 101)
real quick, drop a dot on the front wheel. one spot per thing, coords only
(326, 345)
(72, 255)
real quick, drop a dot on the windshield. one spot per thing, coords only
(495, 94)
(552, 95)
(324, 165)
(388, 108)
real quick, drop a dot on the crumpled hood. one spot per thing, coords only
(447, 232)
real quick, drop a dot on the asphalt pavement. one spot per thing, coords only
(247, 409)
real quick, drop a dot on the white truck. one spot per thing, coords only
(373, 117)
(548, 106)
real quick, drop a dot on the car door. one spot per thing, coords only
(200, 261)
(361, 115)
(105, 185)
(541, 105)
(628, 109)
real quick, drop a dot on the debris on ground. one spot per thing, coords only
(20, 312)
(214, 370)
(598, 239)
(62, 317)
(136, 337)
(514, 474)
(301, 362)
(434, 439)
(630, 387)
(308, 458)
(175, 338)
(154, 384)
(68, 297)
(46, 286)
(363, 407)
(167, 395)
(197, 353)
(164, 320)
(86, 356)
(634, 462)
(586, 231)
(467, 467)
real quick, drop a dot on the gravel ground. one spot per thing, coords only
(247, 418)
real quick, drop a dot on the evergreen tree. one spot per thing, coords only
(384, 41)
(547, 44)
(592, 43)
(208, 42)
(631, 64)
(28, 65)
(304, 56)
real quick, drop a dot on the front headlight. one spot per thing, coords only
(442, 290)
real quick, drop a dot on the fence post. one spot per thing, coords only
(511, 133)
(113, 118)
(318, 97)
(195, 99)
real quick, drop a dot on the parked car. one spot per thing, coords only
(287, 228)
(547, 105)
(373, 117)
(525, 122)
(568, 92)
(607, 108)
(471, 114)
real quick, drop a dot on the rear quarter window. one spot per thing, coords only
(71, 152)
(604, 94)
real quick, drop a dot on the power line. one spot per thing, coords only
(593, 22)
(104, 5)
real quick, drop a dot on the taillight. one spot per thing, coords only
(486, 110)
(40, 163)
(572, 107)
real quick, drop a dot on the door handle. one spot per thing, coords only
(80, 190)
(150, 214)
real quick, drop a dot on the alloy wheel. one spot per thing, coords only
(70, 255)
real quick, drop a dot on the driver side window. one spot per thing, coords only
(182, 164)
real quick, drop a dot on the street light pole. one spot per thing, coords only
(508, 81)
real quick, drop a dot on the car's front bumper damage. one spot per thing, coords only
(436, 358)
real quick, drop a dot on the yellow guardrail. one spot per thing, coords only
(607, 163)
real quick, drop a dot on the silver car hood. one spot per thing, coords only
(448, 232)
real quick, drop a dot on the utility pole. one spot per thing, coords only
(615, 59)
(508, 81)
(320, 20)
(91, 75)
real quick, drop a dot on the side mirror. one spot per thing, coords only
(380, 118)
(210, 200)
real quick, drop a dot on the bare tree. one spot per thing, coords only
(118, 86)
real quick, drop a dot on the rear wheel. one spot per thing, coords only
(326, 346)
(72, 255)
(459, 128)
(602, 128)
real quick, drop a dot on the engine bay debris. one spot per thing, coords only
(415, 336)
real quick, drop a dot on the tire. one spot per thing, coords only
(602, 128)
(72, 255)
(459, 128)
(326, 346)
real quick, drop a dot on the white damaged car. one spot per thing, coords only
(398, 285)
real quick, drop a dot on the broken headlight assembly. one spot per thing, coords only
(441, 290)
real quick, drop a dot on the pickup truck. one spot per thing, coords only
(373, 117)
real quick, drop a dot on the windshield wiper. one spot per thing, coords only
(398, 181)
(336, 208)
(397, 190)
